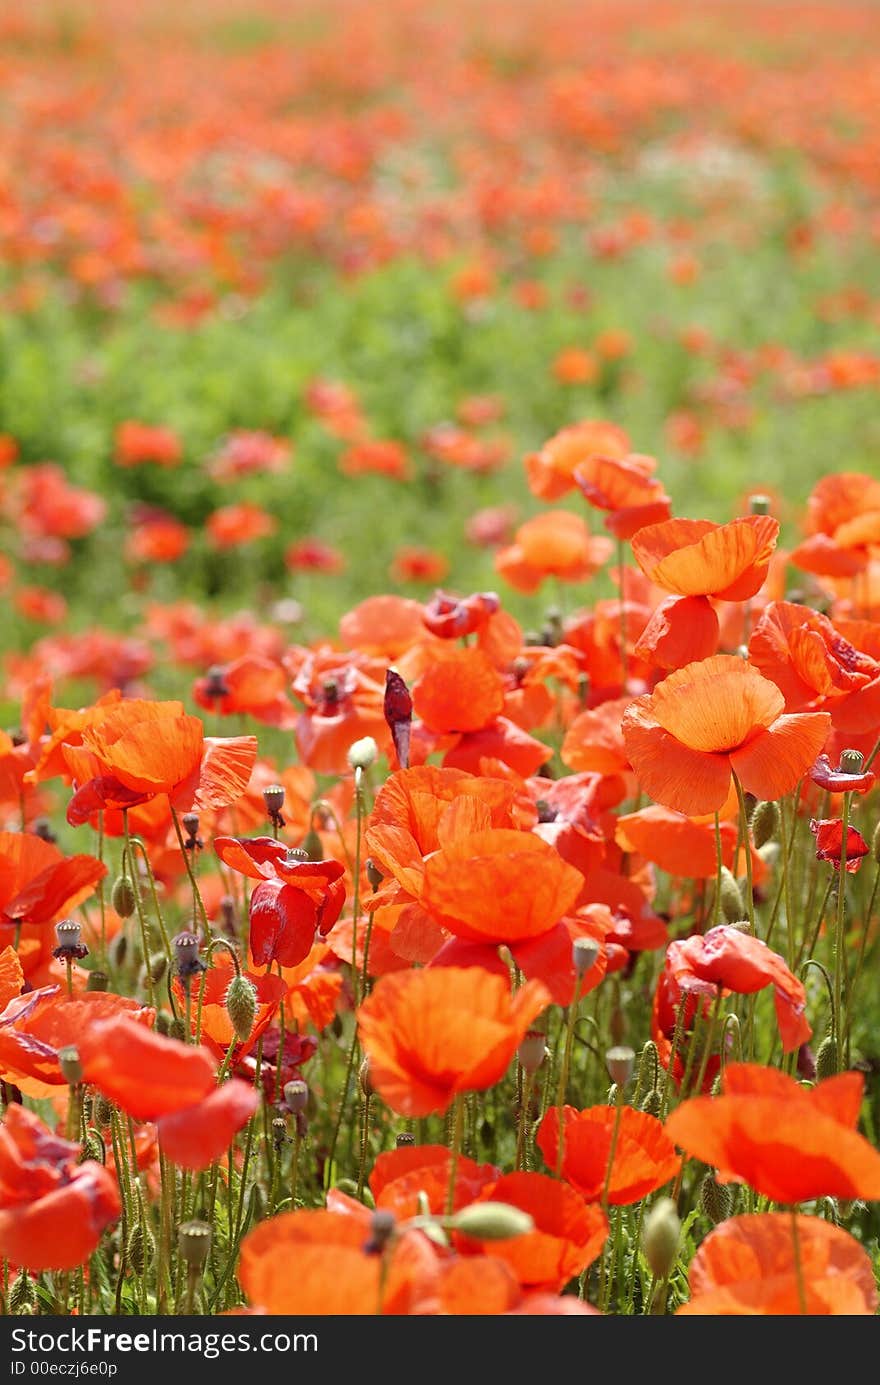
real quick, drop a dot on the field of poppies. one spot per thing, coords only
(440, 541)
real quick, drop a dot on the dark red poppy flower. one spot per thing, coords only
(295, 900)
(829, 843)
(453, 617)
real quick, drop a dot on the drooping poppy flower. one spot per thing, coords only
(725, 959)
(432, 1034)
(550, 472)
(397, 708)
(555, 544)
(789, 1142)
(829, 843)
(53, 1209)
(841, 779)
(403, 1178)
(147, 1075)
(568, 1233)
(626, 488)
(746, 1266)
(709, 720)
(644, 1158)
(197, 1136)
(295, 899)
(38, 884)
(142, 749)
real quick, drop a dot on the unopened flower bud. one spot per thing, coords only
(296, 1095)
(93, 1148)
(532, 1050)
(660, 1237)
(653, 1102)
(194, 1243)
(177, 1028)
(827, 1058)
(648, 1067)
(102, 1111)
(620, 1062)
(363, 753)
(70, 1065)
(364, 1082)
(141, 1248)
(617, 1024)
(98, 981)
(227, 915)
(122, 897)
(732, 907)
(584, 952)
(492, 1221)
(157, 966)
(23, 1295)
(715, 1199)
(382, 1227)
(764, 822)
(118, 951)
(241, 1006)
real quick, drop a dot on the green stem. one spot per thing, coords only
(840, 932)
(747, 848)
(457, 1132)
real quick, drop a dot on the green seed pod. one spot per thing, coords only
(492, 1221)
(765, 822)
(118, 951)
(827, 1058)
(619, 1062)
(241, 1005)
(660, 1237)
(177, 1029)
(23, 1295)
(123, 898)
(70, 1065)
(141, 1248)
(653, 1102)
(715, 1199)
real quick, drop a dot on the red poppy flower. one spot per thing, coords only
(251, 686)
(342, 697)
(295, 899)
(147, 1075)
(248, 453)
(432, 1034)
(626, 489)
(453, 617)
(747, 1266)
(234, 525)
(403, 1178)
(713, 718)
(550, 472)
(843, 523)
(197, 1136)
(725, 959)
(555, 544)
(829, 843)
(644, 1158)
(840, 780)
(157, 539)
(816, 667)
(313, 555)
(789, 1142)
(136, 443)
(53, 1209)
(35, 1026)
(38, 884)
(416, 564)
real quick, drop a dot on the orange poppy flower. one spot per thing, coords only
(53, 1209)
(432, 1034)
(789, 1142)
(142, 749)
(459, 691)
(843, 524)
(725, 960)
(381, 457)
(197, 1136)
(234, 525)
(414, 564)
(709, 720)
(644, 1158)
(675, 843)
(681, 630)
(314, 988)
(383, 627)
(402, 1178)
(555, 544)
(746, 1266)
(34, 1026)
(136, 443)
(568, 1233)
(145, 1074)
(550, 472)
(38, 884)
(313, 555)
(694, 557)
(815, 667)
(157, 539)
(342, 696)
(250, 686)
(594, 741)
(626, 488)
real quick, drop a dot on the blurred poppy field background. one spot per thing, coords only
(440, 541)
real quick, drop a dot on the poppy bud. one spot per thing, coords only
(162, 1023)
(68, 935)
(584, 952)
(405, 1139)
(764, 823)
(123, 898)
(70, 1065)
(374, 874)
(312, 845)
(241, 1005)
(381, 1230)
(364, 1082)
(660, 1237)
(102, 1111)
(118, 951)
(279, 1131)
(98, 981)
(492, 1221)
(157, 967)
(363, 753)
(23, 1295)
(194, 1243)
(715, 1199)
(648, 1067)
(296, 1095)
(141, 1248)
(186, 955)
(619, 1062)
(273, 797)
(227, 915)
(93, 1148)
(653, 1102)
(177, 1029)
(827, 1058)
(732, 907)
(532, 1050)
